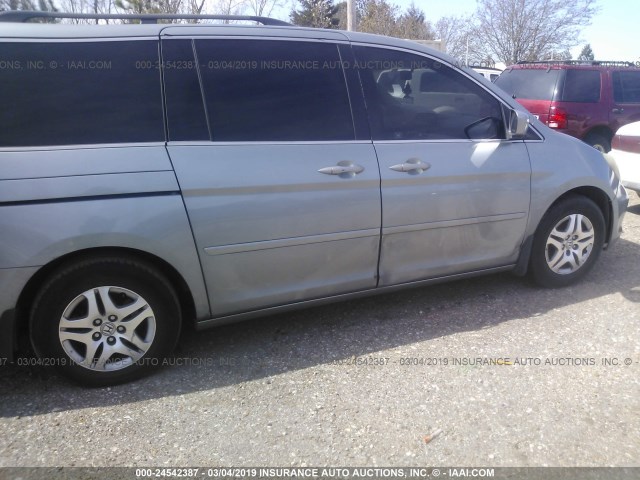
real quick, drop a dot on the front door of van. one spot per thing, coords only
(455, 193)
(284, 202)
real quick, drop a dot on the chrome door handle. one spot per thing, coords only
(344, 169)
(617, 110)
(412, 166)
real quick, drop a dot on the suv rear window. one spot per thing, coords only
(532, 84)
(80, 93)
(581, 86)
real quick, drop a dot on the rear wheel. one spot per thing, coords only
(106, 320)
(568, 242)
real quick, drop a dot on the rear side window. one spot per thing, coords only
(626, 87)
(581, 86)
(529, 84)
(186, 117)
(263, 90)
(80, 93)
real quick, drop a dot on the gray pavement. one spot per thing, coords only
(389, 380)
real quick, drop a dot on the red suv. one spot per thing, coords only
(589, 100)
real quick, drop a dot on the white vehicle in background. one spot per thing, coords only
(489, 73)
(625, 148)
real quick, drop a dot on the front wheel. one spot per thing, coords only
(105, 320)
(567, 242)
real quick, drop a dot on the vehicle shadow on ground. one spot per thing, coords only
(634, 209)
(270, 346)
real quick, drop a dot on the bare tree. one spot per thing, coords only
(149, 6)
(264, 7)
(195, 7)
(515, 30)
(41, 5)
(460, 37)
(229, 7)
(87, 6)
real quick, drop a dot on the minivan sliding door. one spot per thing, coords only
(283, 200)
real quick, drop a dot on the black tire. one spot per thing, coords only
(599, 142)
(140, 320)
(558, 271)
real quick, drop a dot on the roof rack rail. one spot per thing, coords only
(26, 15)
(595, 63)
(482, 66)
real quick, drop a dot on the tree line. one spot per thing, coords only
(506, 31)
(196, 7)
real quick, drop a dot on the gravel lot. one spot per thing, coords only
(299, 389)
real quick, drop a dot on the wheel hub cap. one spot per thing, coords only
(569, 244)
(107, 328)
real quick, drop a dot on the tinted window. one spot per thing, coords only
(80, 93)
(581, 86)
(410, 97)
(530, 84)
(626, 87)
(274, 90)
(186, 119)
(432, 81)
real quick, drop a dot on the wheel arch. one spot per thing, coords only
(603, 130)
(602, 201)
(600, 130)
(35, 283)
(600, 198)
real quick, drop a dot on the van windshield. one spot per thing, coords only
(532, 84)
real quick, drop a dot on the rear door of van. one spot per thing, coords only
(83, 163)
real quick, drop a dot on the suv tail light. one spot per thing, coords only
(557, 118)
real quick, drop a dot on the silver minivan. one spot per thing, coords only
(155, 175)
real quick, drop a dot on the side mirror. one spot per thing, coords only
(518, 124)
(484, 129)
